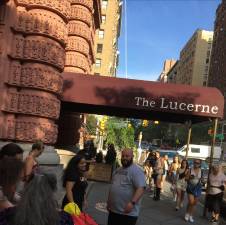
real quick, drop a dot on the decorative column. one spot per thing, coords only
(33, 35)
(79, 59)
(79, 51)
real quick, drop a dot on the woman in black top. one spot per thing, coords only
(75, 182)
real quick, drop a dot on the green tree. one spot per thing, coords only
(110, 132)
(118, 133)
(91, 124)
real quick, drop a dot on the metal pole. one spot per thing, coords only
(215, 122)
(139, 146)
(140, 139)
(222, 134)
(188, 140)
(126, 42)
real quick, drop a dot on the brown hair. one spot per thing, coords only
(10, 171)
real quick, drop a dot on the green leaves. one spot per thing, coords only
(118, 133)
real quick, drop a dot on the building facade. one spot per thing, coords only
(106, 39)
(40, 40)
(172, 74)
(168, 64)
(194, 63)
(217, 73)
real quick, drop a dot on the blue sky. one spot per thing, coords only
(158, 30)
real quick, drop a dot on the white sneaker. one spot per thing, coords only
(186, 217)
(191, 219)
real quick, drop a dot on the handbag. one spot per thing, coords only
(222, 188)
(72, 208)
(78, 217)
(83, 219)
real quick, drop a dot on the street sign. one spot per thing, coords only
(220, 136)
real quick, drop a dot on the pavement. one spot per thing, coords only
(152, 212)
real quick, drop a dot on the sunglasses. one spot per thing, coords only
(197, 163)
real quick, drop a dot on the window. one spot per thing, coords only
(195, 150)
(103, 18)
(98, 63)
(101, 34)
(104, 4)
(99, 48)
(207, 61)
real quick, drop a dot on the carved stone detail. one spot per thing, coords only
(61, 7)
(32, 81)
(77, 60)
(32, 130)
(86, 3)
(1, 39)
(72, 69)
(33, 105)
(2, 14)
(29, 130)
(41, 50)
(81, 13)
(35, 76)
(41, 22)
(78, 44)
(12, 102)
(79, 29)
(18, 46)
(10, 130)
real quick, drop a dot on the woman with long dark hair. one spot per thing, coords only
(10, 174)
(11, 150)
(75, 182)
(11, 170)
(38, 204)
(181, 183)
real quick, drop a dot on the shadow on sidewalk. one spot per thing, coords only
(152, 213)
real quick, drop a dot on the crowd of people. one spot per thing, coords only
(185, 180)
(34, 202)
(27, 195)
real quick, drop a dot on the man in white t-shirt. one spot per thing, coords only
(127, 188)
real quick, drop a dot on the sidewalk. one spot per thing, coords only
(152, 212)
